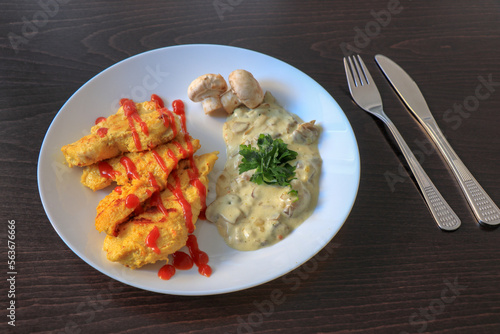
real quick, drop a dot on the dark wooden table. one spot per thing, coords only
(392, 269)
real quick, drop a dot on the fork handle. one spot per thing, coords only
(444, 216)
(481, 204)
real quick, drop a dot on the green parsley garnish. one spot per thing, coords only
(270, 160)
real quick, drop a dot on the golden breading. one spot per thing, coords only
(144, 162)
(116, 207)
(130, 247)
(139, 131)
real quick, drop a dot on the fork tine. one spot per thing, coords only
(356, 71)
(352, 67)
(349, 73)
(362, 69)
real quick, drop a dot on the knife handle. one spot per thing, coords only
(481, 204)
(443, 214)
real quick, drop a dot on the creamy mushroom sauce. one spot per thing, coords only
(251, 216)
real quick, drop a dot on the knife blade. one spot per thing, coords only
(483, 207)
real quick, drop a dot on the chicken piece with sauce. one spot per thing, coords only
(163, 227)
(135, 127)
(134, 165)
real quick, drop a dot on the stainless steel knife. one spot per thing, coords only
(481, 204)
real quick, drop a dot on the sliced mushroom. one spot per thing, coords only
(291, 124)
(223, 183)
(279, 229)
(256, 124)
(306, 170)
(238, 127)
(306, 133)
(207, 89)
(226, 208)
(230, 214)
(245, 89)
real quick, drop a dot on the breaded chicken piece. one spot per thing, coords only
(136, 245)
(157, 161)
(140, 130)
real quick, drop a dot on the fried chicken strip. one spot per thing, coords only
(135, 244)
(158, 161)
(138, 127)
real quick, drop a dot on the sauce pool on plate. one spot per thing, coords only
(250, 216)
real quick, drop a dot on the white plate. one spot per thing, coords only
(167, 72)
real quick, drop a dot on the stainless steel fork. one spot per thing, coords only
(366, 95)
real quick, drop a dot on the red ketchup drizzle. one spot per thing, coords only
(158, 101)
(182, 261)
(172, 156)
(156, 201)
(130, 110)
(164, 117)
(178, 106)
(152, 238)
(99, 120)
(189, 144)
(130, 168)
(205, 270)
(135, 135)
(118, 189)
(200, 258)
(107, 171)
(129, 107)
(144, 126)
(203, 196)
(160, 161)
(132, 201)
(101, 132)
(180, 148)
(193, 172)
(166, 272)
(194, 180)
(172, 120)
(186, 207)
(153, 182)
(156, 197)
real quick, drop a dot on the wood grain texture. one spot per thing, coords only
(389, 264)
